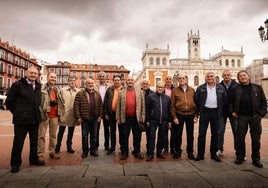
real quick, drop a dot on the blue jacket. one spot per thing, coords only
(158, 108)
(201, 97)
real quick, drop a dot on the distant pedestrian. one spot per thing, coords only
(88, 112)
(23, 101)
(249, 106)
(68, 120)
(52, 111)
(210, 99)
(157, 117)
(183, 110)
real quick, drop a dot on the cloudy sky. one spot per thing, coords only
(116, 31)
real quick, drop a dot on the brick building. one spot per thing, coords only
(13, 64)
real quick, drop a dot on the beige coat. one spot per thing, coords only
(69, 96)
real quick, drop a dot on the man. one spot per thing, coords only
(101, 88)
(129, 113)
(69, 94)
(147, 92)
(157, 115)
(248, 105)
(183, 110)
(88, 111)
(23, 101)
(228, 83)
(168, 89)
(110, 102)
(52, 111)
(210, 99)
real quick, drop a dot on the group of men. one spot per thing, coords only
(36, 108)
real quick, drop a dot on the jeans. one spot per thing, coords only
(162, 127)
(112, 130)
(178, 130)
(69, 136)
(124, 132)
(254, 123)
(89, 127)
(106, 133)
(206, 117)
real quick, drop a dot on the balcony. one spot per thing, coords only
(9, 74)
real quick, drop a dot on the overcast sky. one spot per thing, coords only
(116, 31)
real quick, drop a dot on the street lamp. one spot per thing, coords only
(262, 33)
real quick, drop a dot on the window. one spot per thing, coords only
(21, 73)
(26, 64)
(8, 83)
(90, 75)
(122, 76)
(51, 70)
(82, 74)
(2, 67)
(238, 63)
(157, 61)
(217, 79)
(10, 57)
(59, 80)
(2, 54)
(1, 82)
(157, 80)
(74, 73)
(17, 60)
(16, 72)
(220, 63)
(151, 61)
(65, 79)
(65, 71)
(22, 62)
(9, 70)
(58, 71)
(82, 83)
(227, 63)
(233, 63)
(196, 81)
(164, 61)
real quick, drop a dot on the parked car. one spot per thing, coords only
(2, 102)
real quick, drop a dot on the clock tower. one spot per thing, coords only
(193, 46)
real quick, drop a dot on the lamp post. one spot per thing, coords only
(262, 33)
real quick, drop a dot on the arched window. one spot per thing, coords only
(220, 63)
(233, 63)
(238, 63)
(196, 81)
(157, 61)
(217, 79)
(164, 61)
(151, 61)
(227, 63)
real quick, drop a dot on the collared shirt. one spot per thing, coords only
(211, 101)
(31, 83)
(102, 91)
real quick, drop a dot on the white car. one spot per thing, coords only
(2, 102)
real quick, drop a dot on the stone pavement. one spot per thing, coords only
(109, 171)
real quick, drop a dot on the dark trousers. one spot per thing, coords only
(222, 128)
(69, 136)
(106, 133)
(20, 132)
(161, 138)
(206, 117)
(112, 131)
(124, 132)
(178, 130)
(254, 123)
(89, 127)
(169, 142)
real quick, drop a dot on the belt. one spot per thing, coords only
(210, 109)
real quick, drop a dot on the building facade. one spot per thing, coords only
(13, 64)
(157, 64)
(83, 71)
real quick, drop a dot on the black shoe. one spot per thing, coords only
(15, 169)
(94, 153)
(39, 163)
(191, 156)
(199, 158)
(124, 156)
(106, 148)
(110, 151)
(216, 158)
(138, 155)
(176, 155)
(84, 154)
(149, 157)
(165, 151)
(57, 150)
(239, 161)
(161, 155)
(257, 164)
(70, 150)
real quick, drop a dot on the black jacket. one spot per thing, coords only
(259, 103)
(153, 108)
(201, 97)
(108, 100)
(23, 102)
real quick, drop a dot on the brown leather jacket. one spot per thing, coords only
(182, 102)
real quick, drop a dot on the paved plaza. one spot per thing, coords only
(110, 171)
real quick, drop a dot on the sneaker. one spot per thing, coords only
(219, 153)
